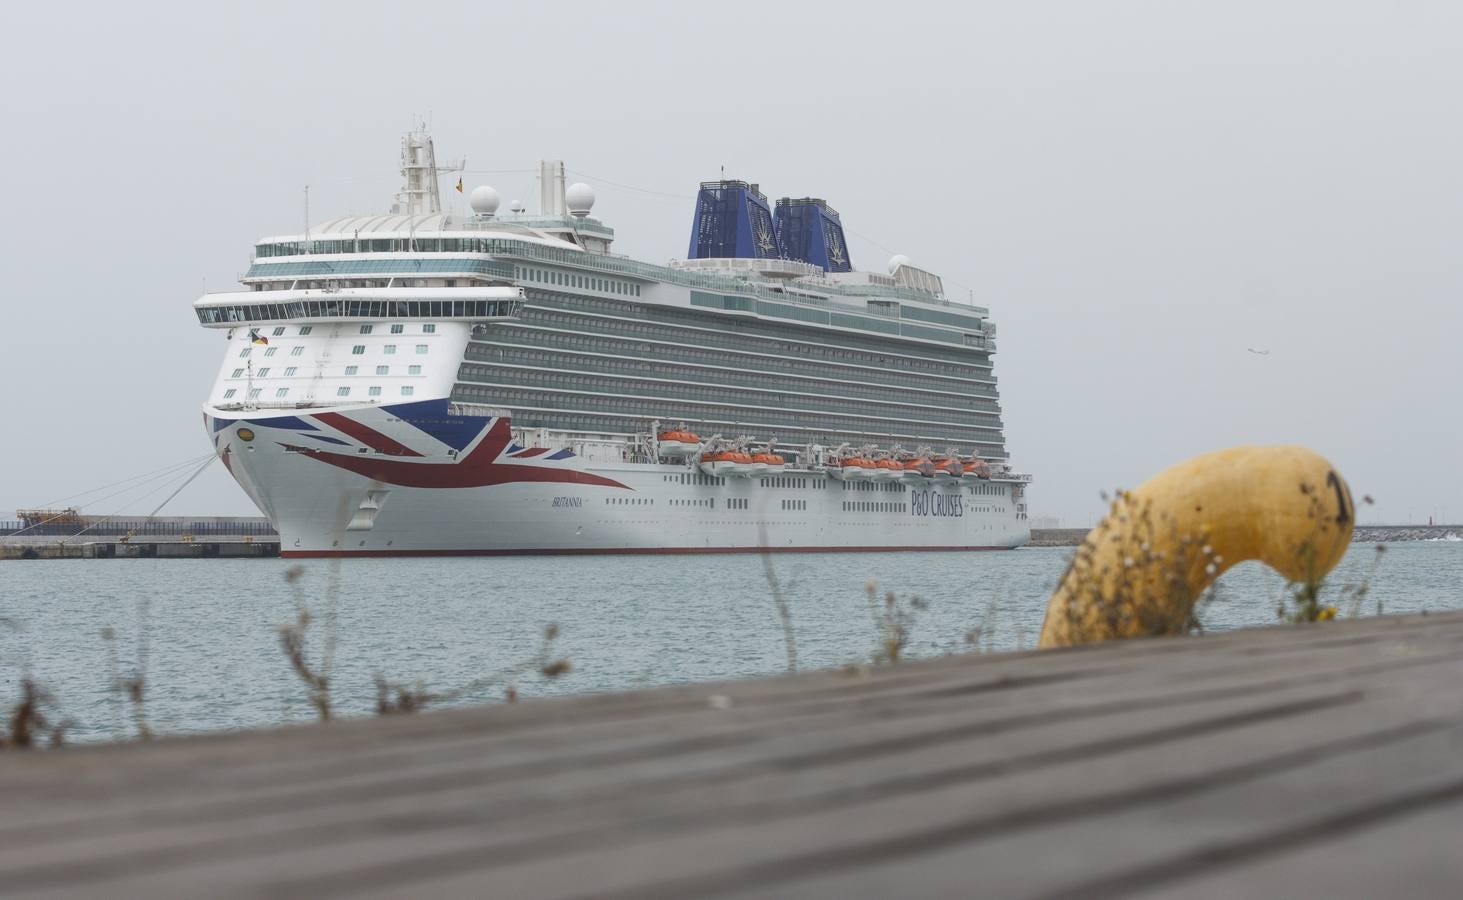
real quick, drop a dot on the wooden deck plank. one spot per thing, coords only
(598, 802)
(425, 776)
(1161, 846)
(274, 754)
(802, 782)
(767, 854)
(1413, 853)
(445, 842)
(269, 747)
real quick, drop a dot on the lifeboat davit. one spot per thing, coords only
(919, 470)
(768, 463)
(678, 443)
(887, 470)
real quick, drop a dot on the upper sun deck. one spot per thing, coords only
(419, 246)
(438, 232)
(465, 247)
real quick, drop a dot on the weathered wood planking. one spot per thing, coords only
(1276, 762)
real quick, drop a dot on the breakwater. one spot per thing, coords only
(1382, 534)
(1364, 534)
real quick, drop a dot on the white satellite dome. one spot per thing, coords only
(484, 200)
(517, 206)
(579, 199)
(899, 259)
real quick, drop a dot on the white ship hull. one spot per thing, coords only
(417, 479)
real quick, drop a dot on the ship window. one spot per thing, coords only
(350, 370)
(278, 331)
(398, 328)
(229, 393)
(237, 373)
(429, 328)
(290, 371)
(296, 351)
(282, 392)
(269, 351)
(382, 370)
(305, 329)
(389, 348)
(374, 391)
(421, 348)
(366, 329)
(407, 390)
(245, 352)
(342, 392)
(360, 349)
(254, 394)
(413, 370)
(264, 372)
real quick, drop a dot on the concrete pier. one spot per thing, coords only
(163, 537)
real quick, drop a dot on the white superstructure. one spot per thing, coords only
(421, 383)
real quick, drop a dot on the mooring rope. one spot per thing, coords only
(132, 483)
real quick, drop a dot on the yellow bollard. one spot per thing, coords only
(1145, 565)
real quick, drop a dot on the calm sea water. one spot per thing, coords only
(213, 659)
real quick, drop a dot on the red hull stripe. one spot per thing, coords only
(618, 551)
(366, 435)
(477, 469)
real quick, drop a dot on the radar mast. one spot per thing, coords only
(418, 195)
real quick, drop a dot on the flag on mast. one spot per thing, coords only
(256, 338)
(459, 184)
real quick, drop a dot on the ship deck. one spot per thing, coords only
(1288, 761)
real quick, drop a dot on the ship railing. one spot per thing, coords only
(140, 527)
(246, 405)
(691, 278)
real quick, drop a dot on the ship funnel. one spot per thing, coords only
(732, 221)
(810, 230)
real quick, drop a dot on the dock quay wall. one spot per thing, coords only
(158, 537)
(95, 527)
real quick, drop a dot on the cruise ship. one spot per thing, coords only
(501, 382)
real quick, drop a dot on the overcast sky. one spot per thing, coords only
(1139, 191)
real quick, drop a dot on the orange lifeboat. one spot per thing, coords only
(918, 470)
(977, 468)
(947, 468)
(678, 442)
(768, 462)
(887, 470)
(717, 462)
(728, 462)
(851, 468)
